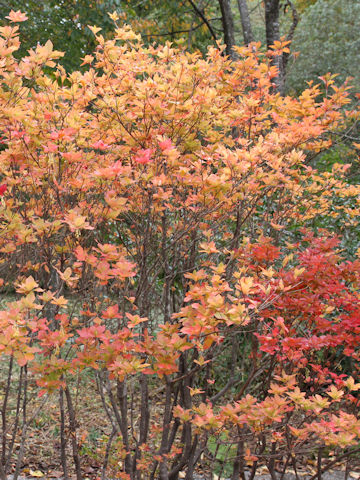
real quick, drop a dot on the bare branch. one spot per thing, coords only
(204, 19)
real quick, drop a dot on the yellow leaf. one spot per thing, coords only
(351, 385)
(114, 16)
(29, 302)
(48, 46)
(36, 473)
(334, 393)
(195, 391)
(201, 361)
(277, 226)
(246, 283)
(208, 248)
(28, 286)
(94, 29)
(60, 301)
(17, 16)
(298, 272)
(287, 259)
(268, 273)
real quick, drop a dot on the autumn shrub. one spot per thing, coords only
(150, 226)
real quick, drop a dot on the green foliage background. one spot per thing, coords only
(327, 39)
(327, 36)
(64, 22)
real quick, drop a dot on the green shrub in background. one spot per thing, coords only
(327, 39)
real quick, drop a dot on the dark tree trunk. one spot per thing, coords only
(228, 27)
(245, 21)
(272, 13)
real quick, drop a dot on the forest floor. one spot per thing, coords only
(331, 475)
(42, 452)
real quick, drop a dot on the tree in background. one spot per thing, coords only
(206, 316)
(195, 24)
(326, 37)
(327, 41)
(231, 22)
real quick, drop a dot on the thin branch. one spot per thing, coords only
(334, 462)
(295, 20)
(290, 35)
(165, 34)
(204, 19)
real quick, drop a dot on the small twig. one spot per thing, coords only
(334, 462)
(107, 452)
(73, 428)
(24, 427)
(319, 462)
(204, 19)
(62, 435)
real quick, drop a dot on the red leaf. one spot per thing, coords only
(143, 156)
